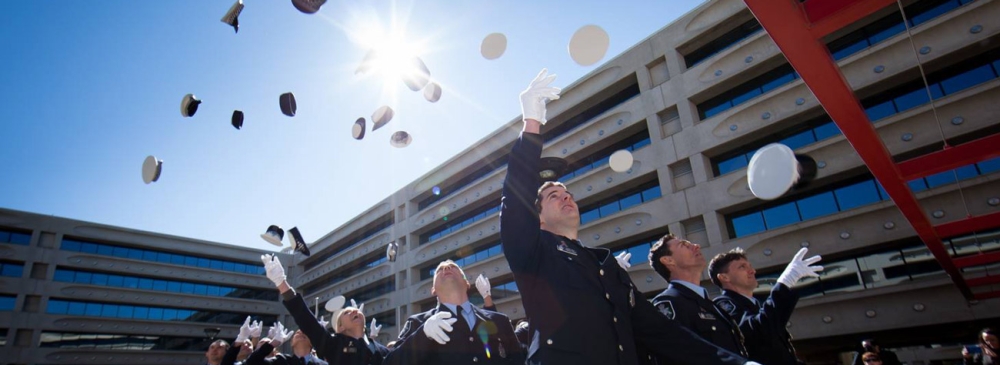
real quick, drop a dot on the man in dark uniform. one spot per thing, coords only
(216, 351)
(349, 345)
(584, 308)
(763, 324)
(302, 349)
(456, 332)
(681, 263)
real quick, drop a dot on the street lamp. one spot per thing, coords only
(212, 332)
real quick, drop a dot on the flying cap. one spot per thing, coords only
(774, 170)
(274, 235)
(588, 45)
(390, 251)
(151, 168)
(366, 63)
(400, 139)
(232, 16)
(298, 242)
(358, 130)
(381, 116)
(287, 101)
(237, 119)
(308, 6)
(493, 46)
(418, 75)
(552, 168)
(189, 105)
(620, 161)
(432, 92)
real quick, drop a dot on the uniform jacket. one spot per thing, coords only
(259, 357)
(766, 338)
(583, 307)
(334, 348)
(231, 354)
(491, 341)
(700, 315)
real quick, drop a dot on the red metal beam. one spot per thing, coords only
(951, 158)
(811, 59)
(824, 24)
(968, 225)
(985, 280)
(987, 295)
(978, 259)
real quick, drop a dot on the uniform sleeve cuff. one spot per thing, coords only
(288, 295)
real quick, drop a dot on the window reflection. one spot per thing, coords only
(109, 310)
(121, 281)
(153, 256)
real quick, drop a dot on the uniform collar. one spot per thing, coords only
(694, 287)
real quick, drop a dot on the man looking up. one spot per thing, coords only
(583, 307)
(763, 324)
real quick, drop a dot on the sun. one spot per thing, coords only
(389, 55)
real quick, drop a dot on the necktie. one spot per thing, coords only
(462, 317)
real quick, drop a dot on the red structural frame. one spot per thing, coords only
(799, 29)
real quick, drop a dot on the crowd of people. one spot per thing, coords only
(581, 305)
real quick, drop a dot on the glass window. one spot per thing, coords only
(933, 12)
(799, 140)
(177, 259)
(116, 280)
(159, 285)
(99, 279)
(83, 277)
(92, 309)
(739, 99)
(651, 193)
(11, 270)
(70, 245)
(125, 311)
(748, 224)
(781, 215)
(941, 178)
(817, 206)
(840, 276)
(7, 303)
(190, 261)
(631, 200)
(88, 247)
(887, 33)
(120, 252)
(966, 172)
(989, 166)
(774, 84)
(131, 282)
(105, 250)
(148, 255)
(851, 49)
(917, 185)
(911, 99)
(852, 196)
(155, 313)
(77, 308)
(145, 283)
(57, 307)
(203, 262)
(826, 131)
(140, 312)
(716, 110)
(967, 79)
(109, 310)
(610, 208)
(135, 254)
(732, 164)
(200, 289)
(589, 216)
(169, 314)
(174, 286)
(879, 111)
(65, 276)
(187, 288)
(213, 290)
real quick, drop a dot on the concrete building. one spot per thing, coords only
(692, 103)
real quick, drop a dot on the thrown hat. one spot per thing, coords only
(308, 6)
(381, 117)
(366, 63)
(151, 168)
(298, 242)
(390, 251)
(400, 139)
(358, 130)
(189, 105)
(274, 235)
(588, 45)
(774, 170)
(552, 168)
(620, 161)
(237, 119)
(493, 46)
(432, 92)
(232, 16)
(418, 75)
(287, 102)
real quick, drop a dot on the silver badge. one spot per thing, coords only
(564, 248)
(501, 350)
(707, 316)
(631, 298)
(667, 309)
(727, 305)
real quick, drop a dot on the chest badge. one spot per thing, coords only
(667, 309)
(727, 305)
(707, 316)
(563, 247)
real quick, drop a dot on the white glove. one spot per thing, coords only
(255, 329)
(483, 285)
(275, 271)
(355, 305)
(798, 268)
(278, 334)
(323, 323)
(751, 363)
(373, 330)
(437, 325)
(623, 259)
(390, 251)
(244, 331)
(534, 97)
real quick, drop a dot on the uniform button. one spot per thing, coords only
(713, 328)
(606, 295)
(616, 319)
(475, 359)
(620, 348)
(602, 272)
(549, 341)
(471, 339)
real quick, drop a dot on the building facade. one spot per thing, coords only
(692, 103)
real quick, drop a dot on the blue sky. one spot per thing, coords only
(90, 88)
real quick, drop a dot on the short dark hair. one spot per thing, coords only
(720, 264)
(538, 195)
(660, 249)
(222, 343)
